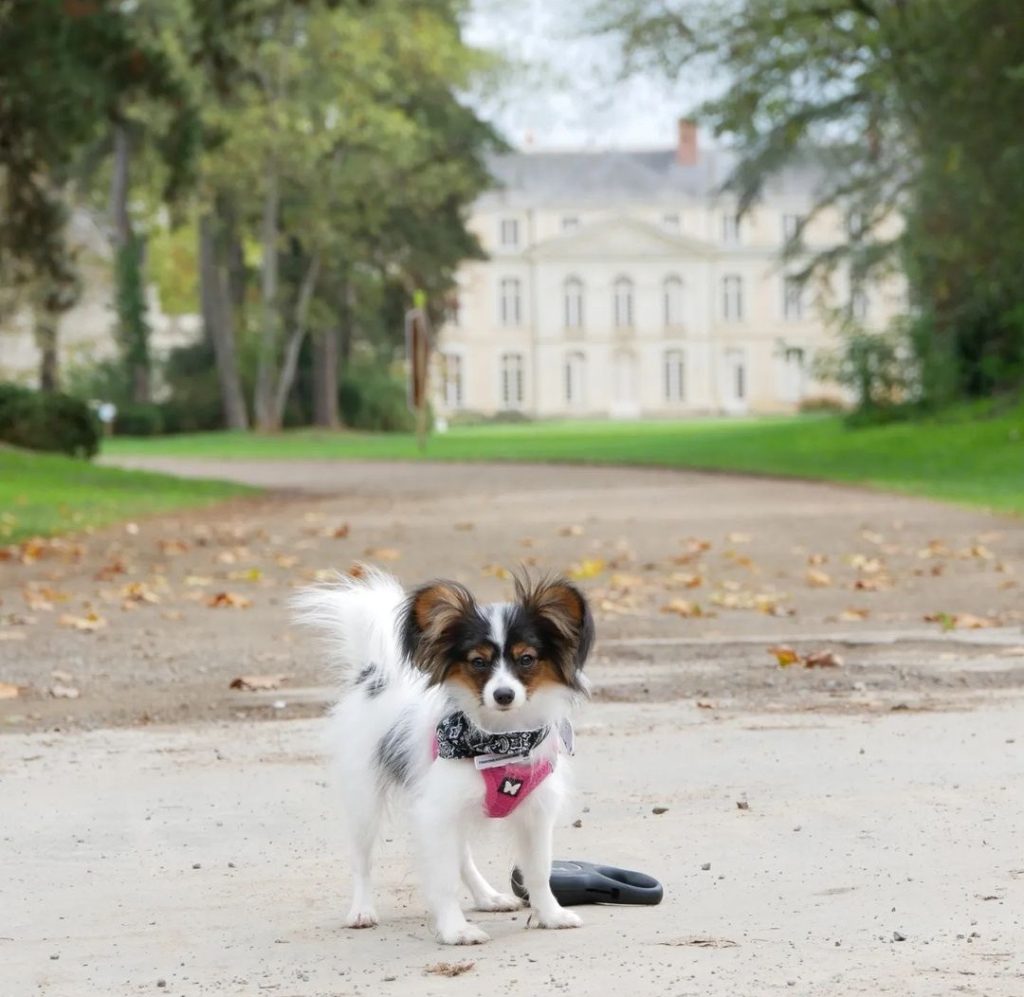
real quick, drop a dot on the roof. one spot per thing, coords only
(532, 179)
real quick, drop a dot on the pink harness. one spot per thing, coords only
(506, 786)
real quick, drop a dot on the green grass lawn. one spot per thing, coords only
(42, 494)
(963, 456)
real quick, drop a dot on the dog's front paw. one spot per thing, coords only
(463, 934)
(497, 902)
(558, 917)
(360, 917)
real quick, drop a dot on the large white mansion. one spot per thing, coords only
(622, 284)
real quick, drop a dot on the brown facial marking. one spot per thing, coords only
(472, 678)
(541, 674)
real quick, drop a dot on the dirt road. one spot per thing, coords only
(885, 794)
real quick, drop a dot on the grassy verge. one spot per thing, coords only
(42, 494)
(959, 457)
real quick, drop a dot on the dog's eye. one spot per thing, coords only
(478, 663)
(527, 660)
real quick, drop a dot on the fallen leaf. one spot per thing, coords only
(464, 526)
(589, 567)
(784, 655)
(286, 560)
(960, 621)
(64, 692)
(496, 570)
(870, 584)
(823, 659)
(449, 968)
(382, 553)
(258, 683)
(853, 615)
(249, 575)
(742, 805)
(704, 705)
(89, 622)
(685, 580)
(571, 531)
(683, 607)
(738, 538)
(704, 943)
(108, 571)
(173, 615)
(198, 581)
(137, 592)
(816, 559)
(228, 600)
(172, 547)
(66, 678)
(817, 578)
(8, 691)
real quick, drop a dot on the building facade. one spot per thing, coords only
(623, 284)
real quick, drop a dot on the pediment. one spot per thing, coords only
(621, 237)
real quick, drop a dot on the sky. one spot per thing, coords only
(568, 96)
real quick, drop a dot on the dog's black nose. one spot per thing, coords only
(504, 696)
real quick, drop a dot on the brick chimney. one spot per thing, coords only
(686, 146)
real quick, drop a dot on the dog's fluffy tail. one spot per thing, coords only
(358, 618)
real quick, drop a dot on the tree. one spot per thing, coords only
(910, 112)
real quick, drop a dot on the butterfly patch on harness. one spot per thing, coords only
(510, 787)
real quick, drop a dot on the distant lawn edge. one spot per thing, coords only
(49, 494)
(958, 457)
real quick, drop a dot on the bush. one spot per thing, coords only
(373, 399)
(138, 419)
(194, 404)
(54, 422)
(821, 403)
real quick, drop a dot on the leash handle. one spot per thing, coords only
(574, 883)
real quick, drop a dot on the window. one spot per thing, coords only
(573, 303)
(510, 302)
(575, 374)
(793, 370)
(675, 390)
(672, 294)
(510, 233)
(730, 229)
(859, 303)
(623, 302)
(671, 221)
(511, 380)
(736, 378)
(732, 298)
(570, 223)
(792, 299)
(451, 372)
(791, 226)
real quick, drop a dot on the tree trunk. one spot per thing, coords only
(217, 320)
(325, 378)
(264, 403)
(130, 273)
(45, 333)
(291, 353)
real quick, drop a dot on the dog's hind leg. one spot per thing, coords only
(485, 896)
(362, 815)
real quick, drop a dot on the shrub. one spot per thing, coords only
(195, 403)
(139, 419)
(54, 422)
(821, 403)
(373, 399)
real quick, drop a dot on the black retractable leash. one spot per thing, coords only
(575, 883)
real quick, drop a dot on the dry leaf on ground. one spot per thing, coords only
(172, 547)
(139, 592)
(496, 570)
(258, 683)
(228, 600)
(823, 659)
(64, 692)
(88, 623)
(589, 567)
(382, 553)
(571, 531)
(784, 655)
(960, 621)
(449, 968)
(8, 691)
(853, 614)
(817, 578)
(738, 538)
(703, 943)
(682, 607)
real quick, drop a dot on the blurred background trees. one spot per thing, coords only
(916, 110)
(290, 169)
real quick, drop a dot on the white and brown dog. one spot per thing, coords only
(464, 707)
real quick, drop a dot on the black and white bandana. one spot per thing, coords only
(458, 737)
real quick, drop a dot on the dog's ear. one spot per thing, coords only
(564, 612)
(431, 620)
